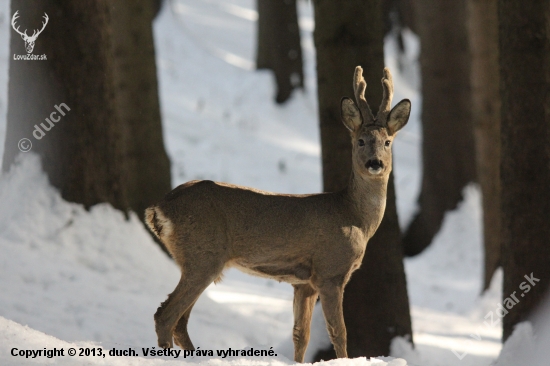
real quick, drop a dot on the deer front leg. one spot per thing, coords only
(196, 277)
(331, 301)
(304, 302)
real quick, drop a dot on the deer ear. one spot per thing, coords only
(351, 117)
(399, 116)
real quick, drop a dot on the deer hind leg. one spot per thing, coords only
(196, 276)
(304, 302)
(331, 300)
(181, 337)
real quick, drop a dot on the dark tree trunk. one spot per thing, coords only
(279, 47)
(406, 13)
(157, 7)
(346, 35)
(448, 150)
(82, 152)
(376, 306)
(485, 79)
(138, 110)
(524, 45)
(100, 63)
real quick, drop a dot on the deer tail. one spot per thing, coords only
(158, 223)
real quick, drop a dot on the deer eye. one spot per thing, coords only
(361, 142)
(387, 143)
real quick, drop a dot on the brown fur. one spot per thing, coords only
(313, 242)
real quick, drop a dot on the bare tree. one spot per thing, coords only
(448, 150)
(525, 155)
(376, 307)
(485, 78)
(279, 47)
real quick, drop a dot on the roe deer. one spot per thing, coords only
(312, 241)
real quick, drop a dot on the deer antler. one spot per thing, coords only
(35, 34)
(359, 87)
(13, 19)
(385, 106)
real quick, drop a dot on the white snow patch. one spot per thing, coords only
(456, 256)
(528, 344)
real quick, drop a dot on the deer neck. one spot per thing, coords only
(367, 197)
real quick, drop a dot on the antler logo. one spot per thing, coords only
(29, 40)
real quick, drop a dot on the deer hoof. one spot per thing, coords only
(183, 342)
(165, 344)
(165, 339)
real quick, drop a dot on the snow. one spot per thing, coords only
(76, 278)
(529, 341)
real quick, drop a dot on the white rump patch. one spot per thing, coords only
(159, 224)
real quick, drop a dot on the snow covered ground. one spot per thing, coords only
(72, 278)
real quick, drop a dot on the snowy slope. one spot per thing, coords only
(95, 278)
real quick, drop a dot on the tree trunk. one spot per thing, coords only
(407, 14)
(157, 7)
(448, 150)
(376, 307)
(279, 47)
(485, 79)
(108, 147)
(138, 110)
(82, 152)
(524, 45)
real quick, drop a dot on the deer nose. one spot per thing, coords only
(374, 165)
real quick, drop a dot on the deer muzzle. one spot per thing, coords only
(374, 166)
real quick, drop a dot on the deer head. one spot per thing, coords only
(372, 137)
(29, 40)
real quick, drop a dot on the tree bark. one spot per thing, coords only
(407, 14)
(485, 79)
(448, 150)
(101, 65)
(82, 152)
(376, 307)
(524, 45)
(157, 7)
(279, 47)
(137, 103)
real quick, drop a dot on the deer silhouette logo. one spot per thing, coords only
(29, 40)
